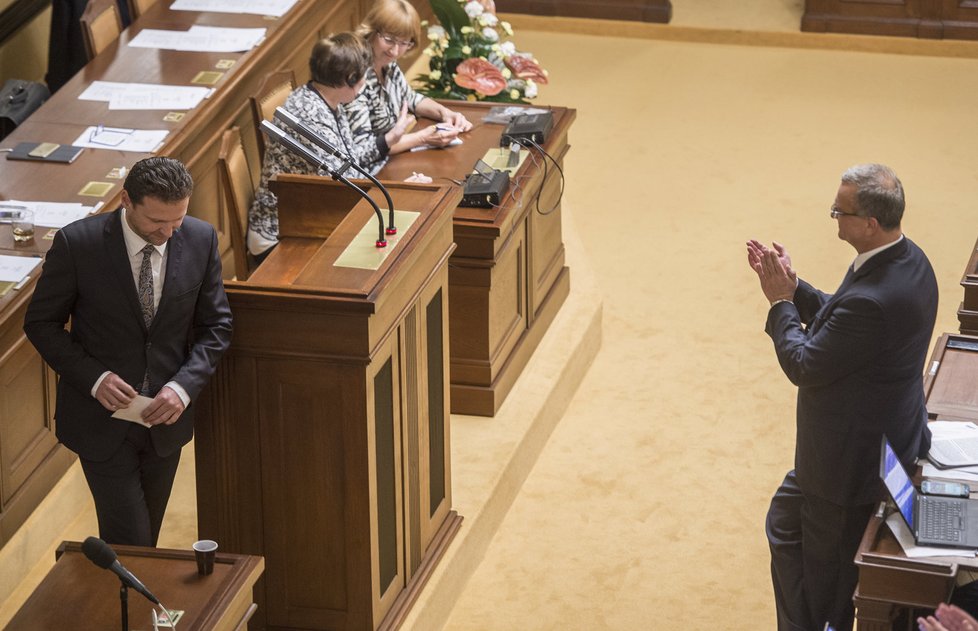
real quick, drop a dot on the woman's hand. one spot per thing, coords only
(404, 122)
(456, 120)
(437, 135)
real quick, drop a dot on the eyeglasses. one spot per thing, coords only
(393, 41)
(835, 213)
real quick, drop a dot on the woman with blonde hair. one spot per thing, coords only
(391, 29)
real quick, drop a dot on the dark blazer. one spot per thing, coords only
(858, 366)
(87, 277)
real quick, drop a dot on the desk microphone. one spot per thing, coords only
(300, 150)
(317, 139)
(99, 553)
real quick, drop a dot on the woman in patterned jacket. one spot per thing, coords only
(391, 29)
(337, 66)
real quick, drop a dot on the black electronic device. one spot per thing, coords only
(945, 489)
(534, 127)
(484, 188)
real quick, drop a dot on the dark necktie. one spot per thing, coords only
(145, 289)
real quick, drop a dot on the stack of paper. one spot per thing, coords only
(205, 39)
(145, 96)
(277, 8)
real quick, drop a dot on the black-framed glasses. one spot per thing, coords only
(835, 213)
(393, 41)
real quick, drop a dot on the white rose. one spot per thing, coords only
(490, 34)
(530, 90)
(474, 9)
(488, 19)
(507, 49)
(436, 32)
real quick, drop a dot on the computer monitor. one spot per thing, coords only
(898, 483)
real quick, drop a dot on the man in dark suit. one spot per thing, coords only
(857, 358)
(143, 291)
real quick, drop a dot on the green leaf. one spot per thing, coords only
(451, 15)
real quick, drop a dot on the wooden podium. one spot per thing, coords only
(77, 594)
(323, 438)
(508, 278)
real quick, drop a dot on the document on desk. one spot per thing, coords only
(14, 269)
(132, 413)
(54, 214)
(121, 138)
(145, 96)
(276, 8)
(204, 39)
(903, 535)
(954, 444)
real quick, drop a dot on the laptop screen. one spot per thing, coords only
(898, 483)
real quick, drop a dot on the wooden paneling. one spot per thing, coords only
(932, 19)
(635, 10)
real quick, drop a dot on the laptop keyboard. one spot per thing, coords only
(941, 520)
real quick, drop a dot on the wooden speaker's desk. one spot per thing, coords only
(323, 438)
(889, 582)
(968, 311)
(507, 277)
(31, 461)
(77, 594)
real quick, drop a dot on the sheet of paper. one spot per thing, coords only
(455, 142)
(132, 412)
(121, 138)
(145, 96)
(55, 214)
(13, 269)
(903, 535)
(278, 8)
(208, 39)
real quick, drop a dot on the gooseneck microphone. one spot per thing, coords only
(300, 150)
(317, 139)
(99, 553)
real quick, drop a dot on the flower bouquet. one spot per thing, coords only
(470, 57)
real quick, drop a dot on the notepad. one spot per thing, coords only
(45, 152)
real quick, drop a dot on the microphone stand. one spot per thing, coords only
(124, 602)
(276, 134)
(312, 136)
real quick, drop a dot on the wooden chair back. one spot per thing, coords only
(100, 25)
(139, 7)
(271, 94)
(239, 193)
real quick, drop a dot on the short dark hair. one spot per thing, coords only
(879, 193)
(165, 179)
(340, 60)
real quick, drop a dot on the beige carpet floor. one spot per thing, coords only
(646, 507)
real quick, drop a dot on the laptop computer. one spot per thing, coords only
(933, 520)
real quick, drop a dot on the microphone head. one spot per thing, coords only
(99, 552)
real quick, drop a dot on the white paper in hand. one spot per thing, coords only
(132, 413)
